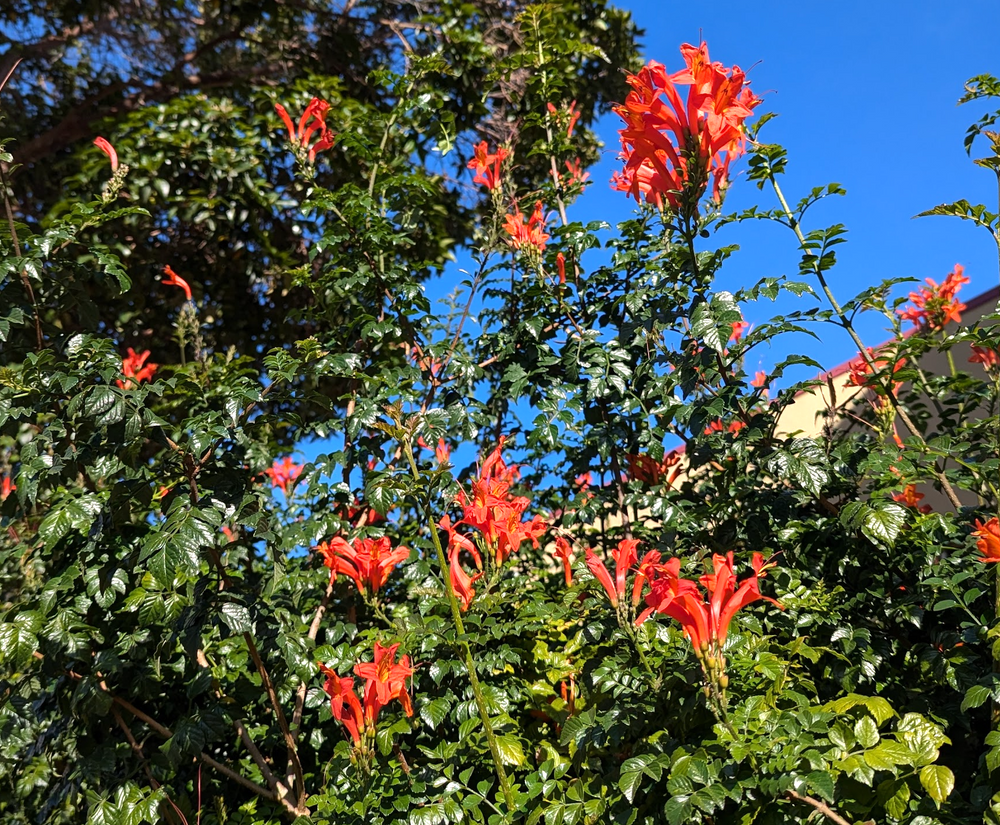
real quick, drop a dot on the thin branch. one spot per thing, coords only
(166, 733)
(244, 735)
(272, 695)
(820, 806)
(153, 783)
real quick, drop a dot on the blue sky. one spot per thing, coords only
(866, 94)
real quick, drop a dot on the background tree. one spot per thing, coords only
(186, 94)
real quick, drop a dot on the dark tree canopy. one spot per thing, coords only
(181, 90)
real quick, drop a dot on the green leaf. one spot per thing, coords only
(822, 783)
(888, 754)
(938, 781)
(105, 403)
(629, 783)
(975, 696)
(895, 797)
(678, 810)
(434, 712)
(237, 616)
(879, 708)
(510, 749)
(880, 522)
(705, 327)
(70, 515)
(866, 732)
(18, 641)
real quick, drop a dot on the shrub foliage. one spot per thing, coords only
(548, 551)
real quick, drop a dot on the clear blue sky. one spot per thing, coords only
(866, 94)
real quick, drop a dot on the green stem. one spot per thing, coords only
(951, 359)
(456, 615)
(845, 322)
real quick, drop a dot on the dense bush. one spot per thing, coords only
(644, 600)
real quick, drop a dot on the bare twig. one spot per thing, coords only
(153, 783)
(820, 806)
(166, 733)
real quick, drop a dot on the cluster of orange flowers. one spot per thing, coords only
(705, 619)
(367, 561)
(497, 516)
(487, 165)
(672, 148)
(135, 369)
(385, 680)
(733, 427)
(283, 472)
(528, 233)
(861, 372)
(989, 358)
(313, 120)
(645, 469)
(935, 306)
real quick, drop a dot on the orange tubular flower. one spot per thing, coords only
(442, 452)
(282, 473)
(388, 678)
(672, 147)
(705, 623)
(600, 572)
(6, 487)
(561, 267)
(461, 582)
(488, 167)
(759, 380)
(574, 173)
(313, 119)
(989, 358)
(369, 562)
(109, 150)
(132, 368)
(935, 306)
(644, 573)
(861, 373)
(643, 468)
(732, 428)
(989, 539)
(564, 552)
(344, 704)
(173, 279)
(625, 556)
(574, 116)
(911, 498)
(739, 327)
(531, 234)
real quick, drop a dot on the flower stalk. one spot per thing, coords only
(456, 615)
(845, 322)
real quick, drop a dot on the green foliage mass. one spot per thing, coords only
(164, 606)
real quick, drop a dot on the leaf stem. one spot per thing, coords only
(470, 664)
(845, 322)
